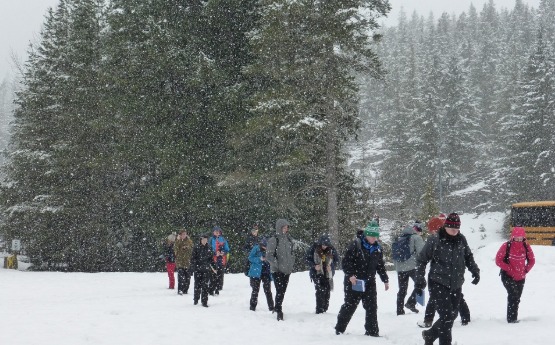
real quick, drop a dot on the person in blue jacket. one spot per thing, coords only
(220, 247)
(322, 259)
(259, 271)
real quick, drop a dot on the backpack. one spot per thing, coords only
(400, 249)
(508, 249)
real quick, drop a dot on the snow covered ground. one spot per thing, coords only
(137, 308)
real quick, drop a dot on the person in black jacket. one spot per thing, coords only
(450, 255)
(363, 259)
(201, 264)
(322, 259)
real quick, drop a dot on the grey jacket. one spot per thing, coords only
(416, 243)
(279, 252)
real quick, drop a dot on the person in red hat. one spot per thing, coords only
(515, 258)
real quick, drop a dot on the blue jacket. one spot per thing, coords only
(258, 266)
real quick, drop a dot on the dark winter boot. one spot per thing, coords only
(427, 339)
(279, 315)
(411, 308)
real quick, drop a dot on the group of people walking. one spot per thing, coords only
(206, 260)
(272, 259)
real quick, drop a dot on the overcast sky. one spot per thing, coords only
(21, 21)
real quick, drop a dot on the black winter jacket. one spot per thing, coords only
(358, 261)
(309, 259)
(201, 260)
(450, 256)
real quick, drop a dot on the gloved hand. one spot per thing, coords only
(476, 277)
(419, 287)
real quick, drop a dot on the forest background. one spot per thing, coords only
(135, 118)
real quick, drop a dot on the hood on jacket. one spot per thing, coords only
(518, 232)
(409, 230)
(280, 223)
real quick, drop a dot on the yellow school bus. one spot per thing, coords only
(537, 218)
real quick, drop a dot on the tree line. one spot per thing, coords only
(137, 117)
(464, 119)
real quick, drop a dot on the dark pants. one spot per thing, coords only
(281, 280)
(217, 280)
(266, 286)
(403, 279)
(431, 310)
(514, 292)
(201, 287)
(322, 286)
(369, 302)
(183, 280)
(447, 305)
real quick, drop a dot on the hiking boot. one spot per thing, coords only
(424, 324)
(411, 308)
(280, 316)
(465, 322)
(205, 305)
(252, 308)
(513, 321)
(427, 339)
(271, 309)
(195, 302)
(400, 312)
(372, 334)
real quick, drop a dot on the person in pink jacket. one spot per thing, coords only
(516, 259)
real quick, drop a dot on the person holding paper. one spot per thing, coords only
(362, 260)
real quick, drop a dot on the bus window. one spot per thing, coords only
(537, 218)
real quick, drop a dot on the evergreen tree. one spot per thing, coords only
(306, 101)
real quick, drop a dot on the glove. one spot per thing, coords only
(419, 287)
(476, 279)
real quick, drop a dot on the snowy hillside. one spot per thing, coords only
(137, 308)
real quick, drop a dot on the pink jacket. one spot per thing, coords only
(517, 266)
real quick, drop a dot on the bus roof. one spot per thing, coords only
(534, 204)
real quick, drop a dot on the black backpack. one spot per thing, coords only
(400, 249)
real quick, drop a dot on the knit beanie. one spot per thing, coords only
(452, 221)
(372, 229)
(518, 232)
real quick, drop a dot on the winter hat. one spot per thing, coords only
(452, 221)
(324, 240)
(217, 228)
(207, 236)
(171, 237)
(372, 229)
(263, 242)
(280, 223)
(518, 232)
(417, 226)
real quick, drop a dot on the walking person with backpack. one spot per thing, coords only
(322, 258)
(515, 258)
(220, 248)
(201, 264)
(259, 272)
(450, 255)
(404, 252)
(183, 249)
(362, 260)
(281, 259)
(169, 255)
(251, 240)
